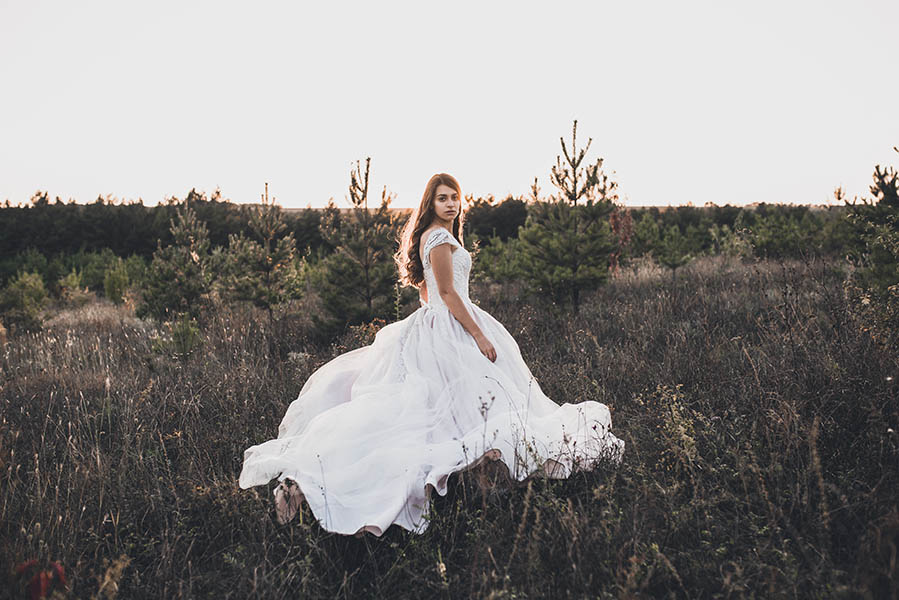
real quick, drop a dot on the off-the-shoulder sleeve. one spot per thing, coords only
(435, 238)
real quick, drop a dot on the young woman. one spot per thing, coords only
(376, 429)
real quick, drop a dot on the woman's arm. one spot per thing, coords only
(442, 264)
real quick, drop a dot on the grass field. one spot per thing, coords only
(761, 460)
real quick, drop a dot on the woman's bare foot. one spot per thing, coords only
(288, 499)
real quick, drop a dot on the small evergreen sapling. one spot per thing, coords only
(263, 270)
(673, 250)
(565, 246)
(356, 282)
(179, 279)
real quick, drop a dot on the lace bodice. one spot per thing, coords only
(461, 265)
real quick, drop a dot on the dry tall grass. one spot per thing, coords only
(762, 457)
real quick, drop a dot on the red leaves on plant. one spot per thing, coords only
(41, 584)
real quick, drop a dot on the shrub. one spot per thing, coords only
(71, 291)
(646, 235)
(28, 261)
(136, 267)
(182, 340)
(22, 300)
(498, 260)
(93, 267)
(115, 281)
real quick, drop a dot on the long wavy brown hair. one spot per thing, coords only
(408, 257)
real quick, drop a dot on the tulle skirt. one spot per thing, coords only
(375, 429)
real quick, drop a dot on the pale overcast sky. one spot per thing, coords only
(724, 102)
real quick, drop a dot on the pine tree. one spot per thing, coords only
(673, 250)
(874, 285)
(566, 246)
(261, 270)
(876, 223)
(179, 279)
(646, 235)
(356, 282)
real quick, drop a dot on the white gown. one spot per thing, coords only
(374, 427)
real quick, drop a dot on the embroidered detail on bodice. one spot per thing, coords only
(461, 266)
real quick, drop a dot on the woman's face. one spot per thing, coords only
(447, 204)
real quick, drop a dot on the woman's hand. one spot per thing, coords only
(486, 347)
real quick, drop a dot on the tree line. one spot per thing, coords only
(183, 255)
(57, 228)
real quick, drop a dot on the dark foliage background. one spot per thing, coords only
(35, 236)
